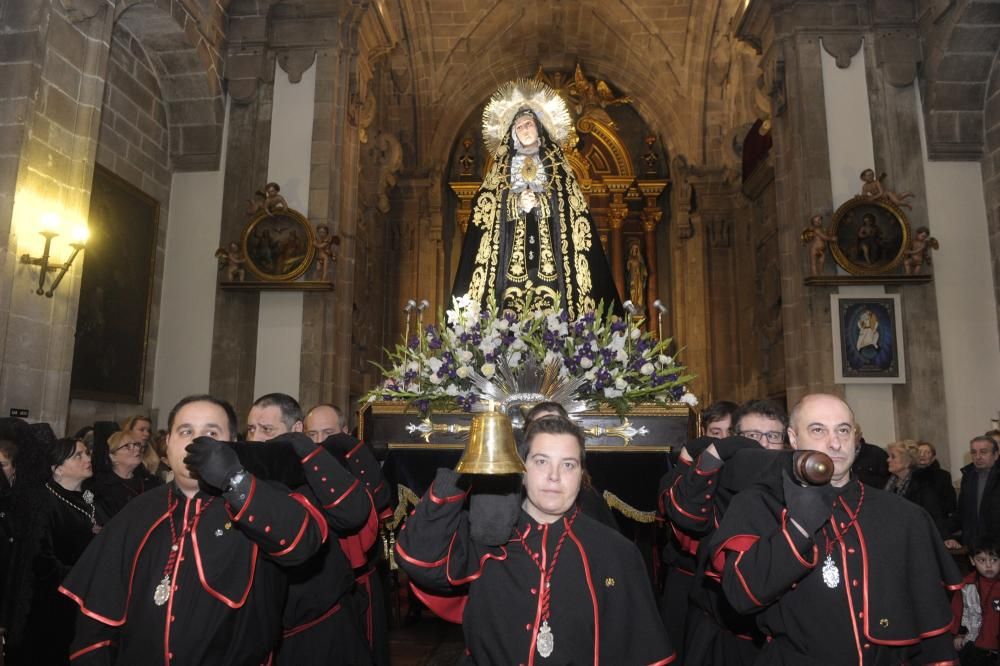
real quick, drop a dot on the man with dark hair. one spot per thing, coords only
(763, 421)
(192, 572)
(717, 419)
(839, 573)
(693, 503)
(978, 513)
(272, 415)
(322, 624)
(563, 586)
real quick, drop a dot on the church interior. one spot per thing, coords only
(707, 136)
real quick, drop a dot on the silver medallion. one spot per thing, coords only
(831, 574)
(546, 641)
(162, 592)
(88, 497)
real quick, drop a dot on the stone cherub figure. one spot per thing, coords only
(232, 260)
(274, 202)
(919, 251)
(875, 190)
(324, 249)
(816, 237)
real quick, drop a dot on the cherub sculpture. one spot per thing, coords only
(875, 190)
(255, 204)
(324, 249)
(816, 237)
(919, 251)
(274, 202)
(232, 260)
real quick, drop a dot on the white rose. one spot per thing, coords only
(621, 384)
(434, 364)
(463, 371)
(590, 375)
(488, 370)
(612, 393)
(585, 363)
(689, 399)
(451, 389)
(635, 333)
(436, 380)
(464, 356)
(665, 360)
(621, 356)
(647, 369)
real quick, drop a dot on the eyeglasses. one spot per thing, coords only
(131, 445)
(773, 436)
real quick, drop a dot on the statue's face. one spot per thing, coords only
(526, 131)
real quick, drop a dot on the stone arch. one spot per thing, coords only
(187, 67)
(956, 73)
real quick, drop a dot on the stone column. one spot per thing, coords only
(617, 212)
(54, 73)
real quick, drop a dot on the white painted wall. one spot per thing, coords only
(187, 300)
(849, 137)
(279, 326)
(963, 282)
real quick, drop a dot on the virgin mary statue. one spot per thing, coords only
(530, 238)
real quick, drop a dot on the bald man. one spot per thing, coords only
(325, 424)
(836, 574)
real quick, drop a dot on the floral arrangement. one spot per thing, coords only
(619, 364)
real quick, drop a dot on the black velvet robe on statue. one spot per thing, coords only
(577, 271)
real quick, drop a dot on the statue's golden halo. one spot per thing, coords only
(547, 104)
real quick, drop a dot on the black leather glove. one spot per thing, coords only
(494, 505)
(214, 462)
(696, 446)
(728, 447)
(809, 506)
(340, 444)
(298, 442)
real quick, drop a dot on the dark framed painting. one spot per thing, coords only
(868, 340)
(278, 246)
(116, 289)
(871, 236)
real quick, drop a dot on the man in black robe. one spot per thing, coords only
(191, 573)
(693, 500)
(321, 623)
(841, 573)
(564, 589)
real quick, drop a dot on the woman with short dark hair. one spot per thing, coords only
(53, 539)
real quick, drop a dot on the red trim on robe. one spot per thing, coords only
(135, 560)
(444, 500)
(450, 609)
(314, 513)
(739, 543)
(791, 544)
(208, 588)
(253, 489)
(89, 648)
(295, 542)
(593, 594)
(312, 623)
(311, 454)
(343, 496)
(418, 563)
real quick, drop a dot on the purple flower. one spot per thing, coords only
(617, 326)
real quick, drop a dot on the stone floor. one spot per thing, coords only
(421, 639)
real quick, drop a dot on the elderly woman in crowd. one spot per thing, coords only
(915, 484)
(123, 477)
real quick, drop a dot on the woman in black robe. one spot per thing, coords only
(53, 538)
(530, 238)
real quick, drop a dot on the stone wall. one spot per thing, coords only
(133, 144)
(991, 172)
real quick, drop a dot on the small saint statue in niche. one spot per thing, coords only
(232, 261)
(637, 276)
(816, 237)
(875, 190)
(274, 203)
(324, 250)
(919, 251)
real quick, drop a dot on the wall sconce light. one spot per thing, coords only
(50, 229)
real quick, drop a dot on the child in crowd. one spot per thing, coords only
(977, 608)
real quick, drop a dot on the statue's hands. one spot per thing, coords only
(528, 201)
